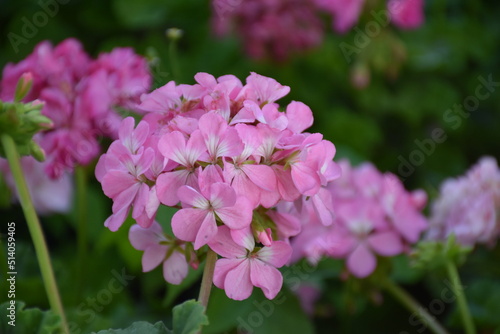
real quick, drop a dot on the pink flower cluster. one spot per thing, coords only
(80, 96)
(226, 156)
(277, 28)
(468, 206)
(374, 216)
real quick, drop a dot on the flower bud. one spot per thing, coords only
(23, 86)
(265, 237)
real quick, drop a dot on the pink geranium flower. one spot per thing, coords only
(158, 249)
(213, 201)
(244, 266)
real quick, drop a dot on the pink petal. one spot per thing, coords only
(125, 198)
(299, 116)
(263, 176)
(173, 145)
(244, 238)
(266, 277)
(140, 201)
(192, 197)
(222, 267)
(237, 216)
(386, 243)
(168, 183)
(224, 245)
(153, 256)
(116, 219)
(141, 238)
(361, 262)
(277, 254)
(186, 223)
(221, 196)
(207, 231)
(237, 283)
(175, 268)
(305, 179)
(115, 182)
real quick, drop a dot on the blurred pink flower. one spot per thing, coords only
(468, 206)
(406, 14)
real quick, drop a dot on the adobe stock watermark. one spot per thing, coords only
(372, 29)
(436, 307)
(453, 116)
(264, 309)
(31, 26)
(93, 305)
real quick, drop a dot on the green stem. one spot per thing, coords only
(174, 64)
(413, 306)
(35, 229)
(81, 211)
(208, 275)
(461, 300)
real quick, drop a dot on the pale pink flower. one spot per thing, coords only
(160, 249)
(213, 201)
(467, 206)
(243, 266)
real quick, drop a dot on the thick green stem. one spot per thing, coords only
(461, 300)
(208, 275)
(413, 306)
(81, 211)
(35, 229)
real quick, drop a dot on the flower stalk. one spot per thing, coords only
(207, 279)
(461, 299)
(35, 229)
(413, 306)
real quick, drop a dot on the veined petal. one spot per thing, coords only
(186, 223)
(192, 197)
(168, 183)
(263, 176)
(221, 195)
(237, 216)
(207, 231)
(277, 254)
(224, 245)
(237, 283)
(222, 267)
(266, 277)
(115, 182)
(244, 238)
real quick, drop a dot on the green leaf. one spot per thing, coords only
(140, 327)
(189, 317)
(32, 320)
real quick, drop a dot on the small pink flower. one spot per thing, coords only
(244, 266)
(214, 201)
(158, 249)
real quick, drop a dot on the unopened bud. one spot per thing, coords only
(23, 86)
(265, 237)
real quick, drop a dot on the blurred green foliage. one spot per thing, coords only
(389, 121)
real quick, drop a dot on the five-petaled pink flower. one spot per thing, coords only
(244, 266)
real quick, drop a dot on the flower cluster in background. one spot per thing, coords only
(226, 156)
(80, 96)
(468, 206)
(266, 26)
(374, 216)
